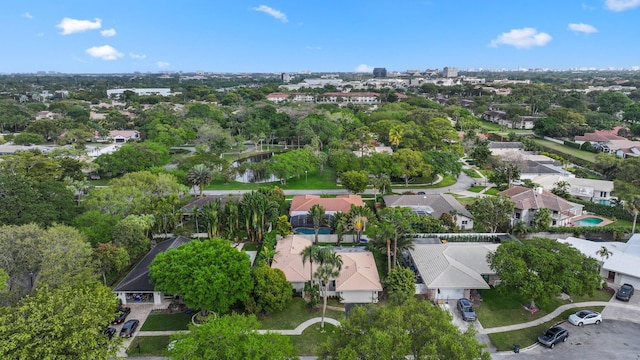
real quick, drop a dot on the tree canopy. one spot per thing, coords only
(416, 328)
(209, 274)
(540, 269)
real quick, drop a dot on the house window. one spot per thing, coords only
(518, 215)
(554, 223)
(555, 212)
(464, 222)
(603, 194)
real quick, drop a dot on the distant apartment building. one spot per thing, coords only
(351, 97)
(450, 72)
(380, 72)
(285, 77)
(117, 93)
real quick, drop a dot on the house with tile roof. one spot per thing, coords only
(621, 267)
(584, 189)
(137, 286)
(529, 201)
(301, 204)
(446, 272)
(358, 281)
(433, 205)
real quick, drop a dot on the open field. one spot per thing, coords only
(585, 155)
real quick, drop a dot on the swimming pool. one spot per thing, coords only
(310, 231)
(605, 202)
(589, 221)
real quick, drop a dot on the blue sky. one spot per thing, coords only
(97, 36)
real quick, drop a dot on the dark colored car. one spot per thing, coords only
(553, 336)
(129, 328)
(109, 332)
(466, 310)
(625, 292)
(122, 315)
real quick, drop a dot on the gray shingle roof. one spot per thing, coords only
(138, 278)
(431, 204)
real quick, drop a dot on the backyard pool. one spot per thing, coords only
(605, 202)
(310, 231)
(589, 221)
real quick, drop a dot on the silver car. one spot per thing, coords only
(585, 317)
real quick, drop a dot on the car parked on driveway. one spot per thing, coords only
(553, 336)
(129, 328)
(585, 317)
(625, 292)
(466, 310)
(123, 312)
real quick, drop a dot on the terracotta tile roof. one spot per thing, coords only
(526, 198)
(289, 260)
(341, 203)
(601, 135)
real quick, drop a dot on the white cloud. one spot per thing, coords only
(104, 52)
(27, 16)
(271, 12)
(137, 56)
(364, 68)
(522, 38)
(71, 26)
(583, 28)
(163, 64)
(621, 5)
(108, 32)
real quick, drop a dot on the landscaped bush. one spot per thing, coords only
(28, 138)
(617, 211)
(572, 144)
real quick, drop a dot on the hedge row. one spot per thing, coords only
(607, 211)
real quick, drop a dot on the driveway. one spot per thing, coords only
(613, 339)
(621, 313)
(138, 312)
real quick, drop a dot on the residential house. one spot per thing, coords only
(621, 267)
(610, 142)
(529, 201)
(368, 150)
(137, 286)
(598, 191)
(121, 136)
(350, 97)
(433, 205)
(46, 115)
(301, 204)
(446, 272)
(358, 281)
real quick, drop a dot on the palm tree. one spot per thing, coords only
(268, 254)
(258, 213)
(633, 206)
(232, 219)
(382, 183)
(329, 270)
(395, 135)
(212, 216)
(359, 215)
(340, 225)
(399, 220)
(199, 176)
(604, 253)
(317, 214)
(381, 240)
(310, 253)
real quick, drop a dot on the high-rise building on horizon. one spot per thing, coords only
(449, 72)
(380, 72)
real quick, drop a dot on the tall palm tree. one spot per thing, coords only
(199, 176)
(212, 214)
(340, 225)
(258, 213)
(359, 216)
(327, 271)
(381, 241)
(633, 206)
(268, 254)
(232, 219)
(317, 214)
(399, 220)
(310, 253)
(395, 135)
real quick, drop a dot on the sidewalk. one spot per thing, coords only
(557, 312)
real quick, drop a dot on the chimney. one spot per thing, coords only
(539, 190)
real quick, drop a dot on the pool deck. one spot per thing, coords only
(604, 222)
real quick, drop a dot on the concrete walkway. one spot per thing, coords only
(557, 312)
(297, 331)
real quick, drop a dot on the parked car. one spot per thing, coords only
(129, 328)
(109, 332)
(123, 312)
(466, 310)
(625, 292)
(585, 317)
(553, 336)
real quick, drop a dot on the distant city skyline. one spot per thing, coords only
(118, 36)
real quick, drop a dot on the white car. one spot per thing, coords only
(585, 317)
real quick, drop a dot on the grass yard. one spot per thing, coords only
(311, 338)
(422, 183)
(251, 247)
(148, 346)
(295, 314)
(492, 191)
(505, 308)
(165, 322)
(464, 201)
(314, 180)
(585, 155)
(490, 126)
(476, 189)
(504, 341)
(474, 174)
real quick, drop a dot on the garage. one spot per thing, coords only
(449, 294)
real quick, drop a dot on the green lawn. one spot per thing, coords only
(149, 346)
(525, 337)
(492, 191)
(295, 314)
(472, 173)
(490, 126)
(421, 183)
(585, 155)
(476, 189)
(251, 247)
(314, 180)
(464, 201)
(500, 309)
(164, 322)
(307, 343)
